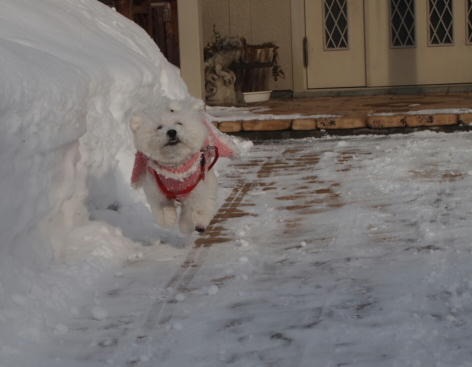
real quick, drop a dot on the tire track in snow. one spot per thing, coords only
(159, 312)
(124, 346)
(128, 345)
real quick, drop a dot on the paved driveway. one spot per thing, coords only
(348, 251)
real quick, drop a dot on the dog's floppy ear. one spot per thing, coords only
(135, 123)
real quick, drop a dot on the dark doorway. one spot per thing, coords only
(158, 18)
(165, 29)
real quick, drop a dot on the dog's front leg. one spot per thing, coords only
(194, 218)
(186, 224)
(200, 207)
(165, 215)
(169, 216)
(164, 210)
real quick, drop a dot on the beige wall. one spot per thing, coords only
(284, 22)
(258, 21)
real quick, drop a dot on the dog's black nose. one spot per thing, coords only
(171, 133)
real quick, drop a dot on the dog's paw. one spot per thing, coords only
(200, 229)
(188, 226)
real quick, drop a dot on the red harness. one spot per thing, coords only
(176, 182)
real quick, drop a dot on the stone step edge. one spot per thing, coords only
(345, 122)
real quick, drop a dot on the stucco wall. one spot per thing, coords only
(258, 21)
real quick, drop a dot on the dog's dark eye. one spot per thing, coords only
(172, 110)
(159, 127)
(179, 123)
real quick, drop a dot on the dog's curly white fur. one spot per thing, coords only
(170, 136)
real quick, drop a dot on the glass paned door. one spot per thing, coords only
(384, 43)
(335, 43)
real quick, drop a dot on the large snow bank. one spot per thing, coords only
(71, 72)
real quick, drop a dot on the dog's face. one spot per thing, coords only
(170, 134)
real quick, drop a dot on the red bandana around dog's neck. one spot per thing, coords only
(176, 182)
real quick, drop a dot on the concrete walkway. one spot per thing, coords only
(311, 115)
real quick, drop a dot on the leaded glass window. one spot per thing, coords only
(402, 23)
(441, 30)
(336, 24)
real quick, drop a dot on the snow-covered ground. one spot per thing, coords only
(218, 113)
(351, 251)
(71, 73)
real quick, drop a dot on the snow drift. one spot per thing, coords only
(72, 71)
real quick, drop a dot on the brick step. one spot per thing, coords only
(376, 121)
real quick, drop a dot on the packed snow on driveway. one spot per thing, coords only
(351, 251)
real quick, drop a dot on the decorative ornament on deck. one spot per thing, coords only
(237, 72)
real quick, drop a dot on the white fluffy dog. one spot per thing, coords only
(176, 150)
